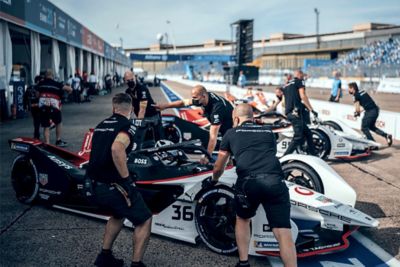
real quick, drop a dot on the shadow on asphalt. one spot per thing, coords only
(371, 209)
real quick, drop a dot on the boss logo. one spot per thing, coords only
(140, 161)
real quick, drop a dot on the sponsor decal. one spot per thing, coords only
(341, 153)
(321, 247)
(59, 162)
(270, 235)
(321, 211)
(260, 244)
(303, 191)
(341, 145)
(43, 178)
(351, 117)
(163, 225)
(266, 228)
(140, 161)
(216, 118)
(134, 146)
(324, 199)
(325, 112)
(20, 147)
(187, 136)
(51, 192)
(332, 226)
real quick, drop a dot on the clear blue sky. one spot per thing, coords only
(197, 21)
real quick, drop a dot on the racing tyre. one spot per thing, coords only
(333, 125)
(322, 143)
(24, 179)
(215, 220)
(302, 174)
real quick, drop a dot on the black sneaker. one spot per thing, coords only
(61, 143)
(108, 260)
(138, 264)
(243, 264)
(389, 139)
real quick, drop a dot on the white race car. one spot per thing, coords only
(170, 181)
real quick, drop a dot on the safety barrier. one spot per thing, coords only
(387, 121)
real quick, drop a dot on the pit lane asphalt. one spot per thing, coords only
(38, 236)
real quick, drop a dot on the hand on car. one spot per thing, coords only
(208, 182)
(204, 160)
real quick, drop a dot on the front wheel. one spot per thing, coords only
(24, 179)
(302, 174)
(322, 143)
(215, 220)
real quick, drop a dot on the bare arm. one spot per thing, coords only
(212, 142)
(357, 106)
(219, 167)
(175, 104)
(142, 110)
(304, 98)
(118, 154)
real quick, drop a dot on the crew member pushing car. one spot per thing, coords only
(260, 181)
(114, 189)
(217, 109)
(362, 99)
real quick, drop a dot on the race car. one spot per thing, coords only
(329, 142)
(170, 179)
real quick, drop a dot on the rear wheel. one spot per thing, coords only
(215, 220)
(302, 174)
(24, 179)
(333, 125)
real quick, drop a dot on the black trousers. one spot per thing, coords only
(368, 124)
(35, 111)
(301, 133)
(77, 96)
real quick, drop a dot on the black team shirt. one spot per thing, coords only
(292, 95)
(219, 112)
(254, 149)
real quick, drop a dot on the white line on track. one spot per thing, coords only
(375, 249)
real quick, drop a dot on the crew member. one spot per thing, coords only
(114, 189)
(31, 103)
(242, 81)
(50, 95)
(362, 99)
(217, 109)
(260, 181)
(296, 101)
(142, 102)
(336, 91)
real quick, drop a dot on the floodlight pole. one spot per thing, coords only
(317, 26)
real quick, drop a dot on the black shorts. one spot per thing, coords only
(111, 200)
(47, 114)
(268, 190)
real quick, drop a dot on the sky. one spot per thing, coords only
(193, 22)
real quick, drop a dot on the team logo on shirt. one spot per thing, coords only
(143, 95)
(216, 118)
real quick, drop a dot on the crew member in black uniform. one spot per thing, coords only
(217, 109)
(142, 102)
(363, 99)
(260, 181)
(31, 103)
(114, 189)
(296, 101)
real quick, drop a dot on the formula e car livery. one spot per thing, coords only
(329, 142)
(170, 179)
